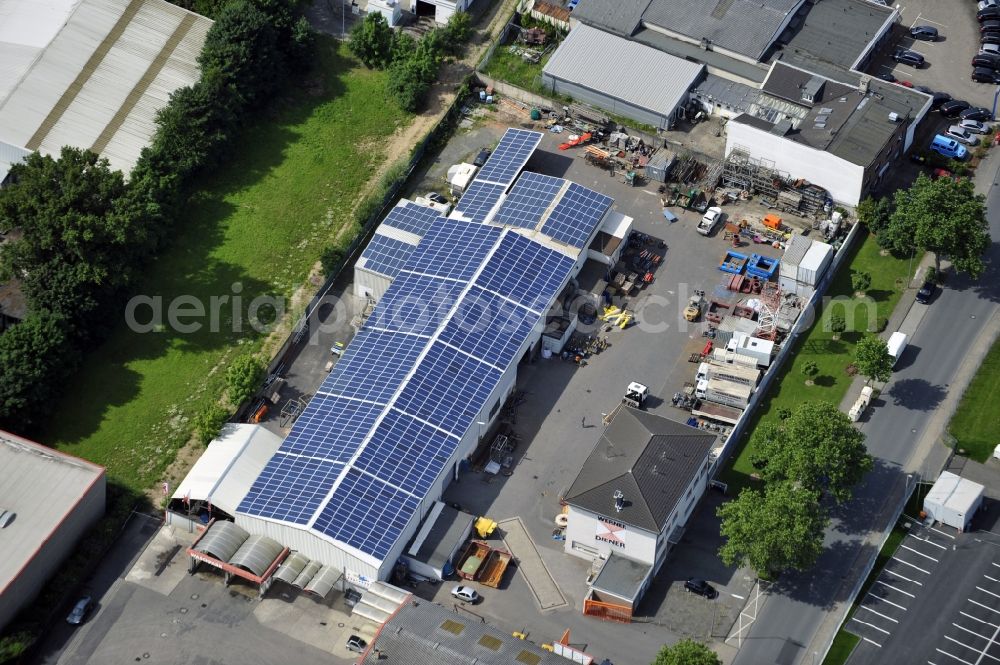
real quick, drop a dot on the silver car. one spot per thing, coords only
(962, 135)
(466, 594)
(79, 612)
(975, 126)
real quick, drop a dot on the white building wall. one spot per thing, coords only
(841, 178)
(368, 284)
(587, 529)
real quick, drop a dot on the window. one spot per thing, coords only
(495, 408)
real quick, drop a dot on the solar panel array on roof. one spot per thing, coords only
(415, 303)
(531, 195)
(526, 272)
(509, 157)
(385, 255)
(374, 365)
(576, 216)
(290, 488)
(332, 428)
(455, 250)
(478, 200)
(412, 217)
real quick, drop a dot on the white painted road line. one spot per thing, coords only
(872, 642)
(986, 648)
(943, 533)
(995, 595)
(883, 600)
(928, 540)
(982, 637)
(895, 574)
(871, 625)
(962, 644)
(976, 602)
(926, 572)
(991, 579)
(895, 589)
(926, 556)
(884, 616)
(961, 660)
(977, 619)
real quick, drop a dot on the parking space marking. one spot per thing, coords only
(961, 644)
(972, 632)
(872, 642)
(945, 534)
(931, 542)
(961, 660)
(895, 589)
(926, 20)
(870, 625)
(994, 563)
(991, 579)
(926, 556)
(884, 616)
(975, 602)
(894, 573)
(995, 595)
(883, 600)
(988, 645)
(927, 572)
(977, 619)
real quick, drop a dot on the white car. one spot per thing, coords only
(984, 4)
(985, 49)
(466, 594)
(711, 219)
(962, 135)
(975, 126)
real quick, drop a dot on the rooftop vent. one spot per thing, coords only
(812, 89)
(893, 116)
(6, 518)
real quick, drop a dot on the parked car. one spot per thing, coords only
(990, 49)
(908, 57)
(924, 32)
(80, 611)
(711, 220)
(700, 587)
(905, 84)
(962, 135)
(938, 98)
(356, 644)
(976, 113)
(952, 108)
(466, 594)
(925, 293)
(983, 4)
(987, 60)
(888, 78)
(481, 158)
(985, 75)
(989, 26)
(948, 147)
(989, 38)
(988, 14)
(974, 126)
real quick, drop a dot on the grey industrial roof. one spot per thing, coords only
(449, 530)
(620, 16)
(737, 96)
(41, 486)
(713, 59)
(653, 80)
(650, 459)
(621, 576)
(835, 32)
(422, 632)
(865, 133)
(747, 27)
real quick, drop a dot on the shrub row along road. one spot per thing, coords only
(804, 610)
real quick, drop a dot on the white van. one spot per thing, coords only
(896, 344)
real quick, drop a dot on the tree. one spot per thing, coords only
(861, 281)
(772, 531)
(941, 216)
(209, 421)
(871, 357)
(687, 652)
(243, 46)
(35, 356)
(458, 30)
(874, 214)
(817, 447)
(837, 324)
(810, 369)
(244, 377)
(371, 41)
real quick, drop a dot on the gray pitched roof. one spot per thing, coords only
(422, 632)
(835, 32)
(618, 16)
(747, 27)
(650, 459)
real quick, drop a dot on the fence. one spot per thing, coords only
(800, 327)
(607, 611)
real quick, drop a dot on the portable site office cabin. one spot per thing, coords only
(953, 500)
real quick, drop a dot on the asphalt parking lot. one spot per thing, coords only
(947, 65)
(937, 601)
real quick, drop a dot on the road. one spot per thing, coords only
(914, 407)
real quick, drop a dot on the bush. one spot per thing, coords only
(860, 281)
(458, 31)
(837, 323)
(331, 259)
(35, 357)
(244, 377)
(371, 41)
(810, 369)
(209, 422)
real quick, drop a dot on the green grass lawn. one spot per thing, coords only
(841, 649)
(260, 220)
(974, 423)
(512, 68)
(831, 356)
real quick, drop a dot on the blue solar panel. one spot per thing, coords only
(531, 195)
(290, 488)
(489, 327)
(453, 249)
(386, 255)
(525, 272)
(374, 366)
(406, 453)
(366, 514)
(576, 215)
(416, 219)
(448, 389)
(331, 428)
(478, 200)
(415, 304)
(510, 156)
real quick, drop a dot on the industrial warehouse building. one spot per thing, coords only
(653, 89)
(47, 501)
(92, 73)
(631, 501)
(344, 496)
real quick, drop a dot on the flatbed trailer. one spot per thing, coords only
(717, 412)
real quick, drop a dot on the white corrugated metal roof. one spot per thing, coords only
(817, 257)
(40, 486)
(26, 28)
(796, 250)
(99, 82)
(954, 492)
(623, 69)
